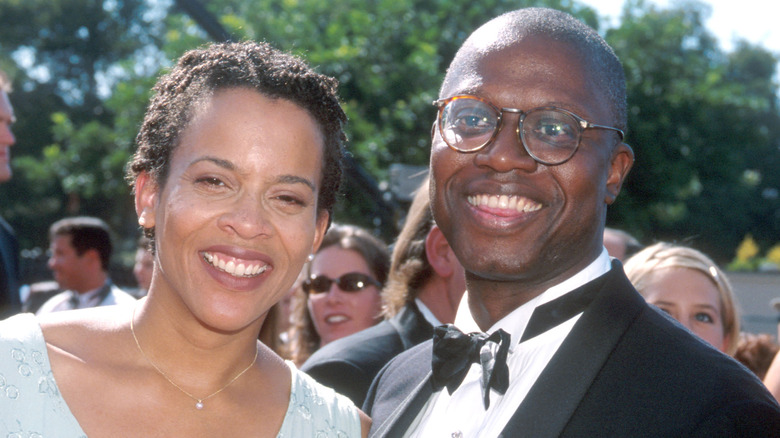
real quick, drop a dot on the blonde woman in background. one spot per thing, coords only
(690, 287)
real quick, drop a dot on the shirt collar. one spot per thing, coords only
(426, 313)
(515, 322)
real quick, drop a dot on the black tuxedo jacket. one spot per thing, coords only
(625, 370)
(9, 271)
(349, 364)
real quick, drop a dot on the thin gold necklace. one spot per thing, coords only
(198, 401)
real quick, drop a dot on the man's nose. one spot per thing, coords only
(506, 152)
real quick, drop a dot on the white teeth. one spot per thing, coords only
(238, 270)
(335, 319)
(505, 202)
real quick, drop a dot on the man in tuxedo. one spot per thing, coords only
(527, 153)
(80, 256)
(423, 289)
(9, 251)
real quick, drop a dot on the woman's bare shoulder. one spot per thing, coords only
(84, 330)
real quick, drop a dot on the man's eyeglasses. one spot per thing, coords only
(351, 282)
(550, 135)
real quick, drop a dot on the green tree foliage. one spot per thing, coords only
(389, 56)
(77, 109)
(704, 127)
(703, 123)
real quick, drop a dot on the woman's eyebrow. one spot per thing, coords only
(294, 179)
(218, 161)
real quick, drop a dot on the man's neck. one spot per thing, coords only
(490, 300)
(436, 297)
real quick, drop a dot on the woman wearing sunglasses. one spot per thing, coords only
(341, 292)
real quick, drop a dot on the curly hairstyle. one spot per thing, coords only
(304, 339)
(257, 66)
(667, 255)
(409, 267)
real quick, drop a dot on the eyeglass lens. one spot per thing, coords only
(549, 135)
(351, 282)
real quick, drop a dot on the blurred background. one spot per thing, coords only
(703, 113)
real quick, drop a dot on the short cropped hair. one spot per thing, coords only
(85, 233)
(557, 25)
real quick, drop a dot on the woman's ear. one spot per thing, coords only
(146, 192)
(620, 164)
(319, 231)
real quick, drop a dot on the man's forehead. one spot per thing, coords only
(473, 65)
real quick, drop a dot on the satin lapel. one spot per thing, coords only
(400, 391)
(398, 422)
(564, 382)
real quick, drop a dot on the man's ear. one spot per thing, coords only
(620, 164)
(439, 253)
(146, 192)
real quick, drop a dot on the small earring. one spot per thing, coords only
(141, 221)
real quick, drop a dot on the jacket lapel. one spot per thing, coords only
(564, 382)
(403, 390)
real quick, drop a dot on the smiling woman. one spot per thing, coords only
(690, 287)
(340, 294)
(235, 176)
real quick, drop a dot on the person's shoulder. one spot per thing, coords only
(71, 327)
(53, 301)
(121, 296)
(670, 353)
(411, 363)
(19, 328)
(322, 406)
(371, 344)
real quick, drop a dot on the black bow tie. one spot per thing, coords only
(454, 352)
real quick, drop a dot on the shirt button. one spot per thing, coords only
(457, 434)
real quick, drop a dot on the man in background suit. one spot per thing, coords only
(423, 290)
(10, 302)
(80, 256)
(527, 153)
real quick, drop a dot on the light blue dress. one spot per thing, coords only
(31, 405)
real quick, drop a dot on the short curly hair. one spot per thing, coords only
(200, 73)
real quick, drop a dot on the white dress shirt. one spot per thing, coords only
(93, 298)
(426, 313)
(462, 413)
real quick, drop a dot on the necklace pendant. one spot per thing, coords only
(199, 405)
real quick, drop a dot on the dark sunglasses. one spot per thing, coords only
(351, 282)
